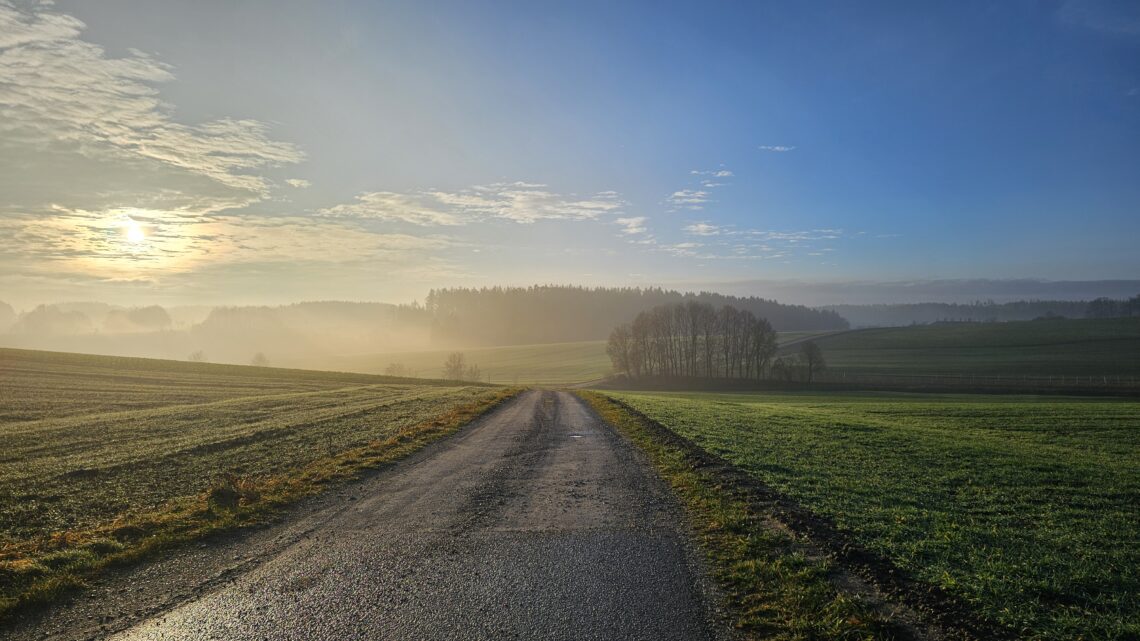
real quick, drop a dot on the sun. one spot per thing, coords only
(134, 232)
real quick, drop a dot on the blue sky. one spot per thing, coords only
(373, 150)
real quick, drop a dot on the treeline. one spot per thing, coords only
(888, 315)
(694, 339)
(892, 315)
(555, 313)
(1113, 308)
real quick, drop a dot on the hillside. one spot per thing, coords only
(556, 314)
(1087, 347)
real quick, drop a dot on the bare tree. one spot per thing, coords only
(785, 368)
(694, 339)
(455, 367)
(197, 356)
(620, 349)
(812, 356)
(259, 360)
(398, 369)
(473, 373)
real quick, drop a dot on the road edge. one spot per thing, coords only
(777, 583)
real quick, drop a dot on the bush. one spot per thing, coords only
(229, 491)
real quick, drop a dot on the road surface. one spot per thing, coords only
(537, 522)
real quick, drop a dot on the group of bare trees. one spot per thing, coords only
(455, 368)
(694, 339)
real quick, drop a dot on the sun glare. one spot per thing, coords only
(135, 233)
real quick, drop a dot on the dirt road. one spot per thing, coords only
(538, 522)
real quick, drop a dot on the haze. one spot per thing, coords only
(266, 152)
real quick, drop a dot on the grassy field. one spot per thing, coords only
(549, 364)
(1024, 508)
(101, 453)
(1035, 348)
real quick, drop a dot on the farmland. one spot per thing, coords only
(1022, 508)
(92, 443)
(543, 364)
(549, 364)
(1046, 348)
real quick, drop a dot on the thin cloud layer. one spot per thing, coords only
(100, 245)
(517, 202)
(694, 199)
(724, 242)
(632, 226)
(59, 89)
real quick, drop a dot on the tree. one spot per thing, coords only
(259, 360)
(398, 369)
(197, 356)
(455, 367)
(785, 368)
(812, 356)
(473, 373)
(620, 349)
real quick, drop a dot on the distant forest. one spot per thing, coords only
(551, 313)
(982, 312)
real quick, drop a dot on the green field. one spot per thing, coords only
(1024, 508)
(92, 442)
(1096, 347)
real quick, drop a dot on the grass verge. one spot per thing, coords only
(36, 572)
(776, 587)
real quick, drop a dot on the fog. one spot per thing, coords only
(299, 335)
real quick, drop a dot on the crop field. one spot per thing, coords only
(1024, 508)
(1097, 348)
(90, 441)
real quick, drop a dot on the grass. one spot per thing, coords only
(548, 364)
(1093, 347)
(1023, 508)
(775, 587)
(107, 460)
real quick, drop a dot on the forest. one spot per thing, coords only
(694, 339)
(553, 313)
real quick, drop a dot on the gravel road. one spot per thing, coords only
(537, 522)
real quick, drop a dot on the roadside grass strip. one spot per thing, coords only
(775, 586)
(1021, 509)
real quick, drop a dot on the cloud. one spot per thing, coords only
(299, 183)
(517, 202)
(69, 243)
(725, 242)
(632, 226)
(688, 199)
(59, 90)
(416, 209)
(703, 229)
(1102, 15)
(715, 173)
(776, 148)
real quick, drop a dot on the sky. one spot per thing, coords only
(274, 151)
